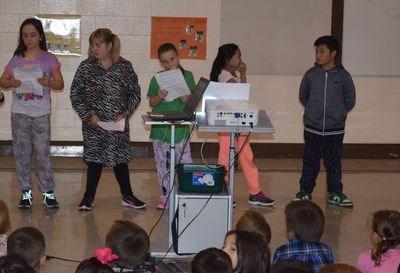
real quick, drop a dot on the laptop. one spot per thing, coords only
(188, 113)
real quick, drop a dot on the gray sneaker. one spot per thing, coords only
(340, 200)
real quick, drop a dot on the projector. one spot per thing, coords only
(231, 112)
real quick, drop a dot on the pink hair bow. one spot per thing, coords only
(105, 255)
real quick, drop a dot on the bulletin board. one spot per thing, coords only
(188, 34)
(62, 33)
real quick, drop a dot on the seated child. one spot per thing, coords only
(13, 263)
(5, 225)
(248, 251)
(211, 260)
(93, 265)
(292, 266)
(28, 242)
(339, 268)
(305, 223)
(385, 238)
(254, 221)
(131, 244)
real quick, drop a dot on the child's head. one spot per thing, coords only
(211, 260)
(104, 44)
(304, 221)
(339, 268)
(385, 232)
(14, 263)
(5, 223)
(254, 221)
(93, 265)
(292, 266)
(31, 35)
(327, 50)
(228, 56)
(248, 251)
(168, 56)
(130, 242)
(29, 243)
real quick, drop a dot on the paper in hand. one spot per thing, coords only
(174, 82)
(113, 125)
(28, 78)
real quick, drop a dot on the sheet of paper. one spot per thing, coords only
(113, 125)
(222, 90)
(28, 78)
(174, 82)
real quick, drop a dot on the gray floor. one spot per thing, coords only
(70, 234)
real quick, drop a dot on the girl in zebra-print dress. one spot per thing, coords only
(105, 88)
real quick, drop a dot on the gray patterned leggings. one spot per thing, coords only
(162, 158)
(32, 134)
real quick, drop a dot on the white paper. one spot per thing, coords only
(174, 82)
(222, 90)
(28, 78)
(112, 125)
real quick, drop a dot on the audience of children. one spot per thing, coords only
(305, 223)
(29, 243)
(213, 260)
(93, 265)
(248, 251)
(254, 221)
(5, 225)
(385, 238)
(130, 244)
(292, 266)
(340, 268)
(14, 263)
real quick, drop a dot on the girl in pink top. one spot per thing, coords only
(385, 237)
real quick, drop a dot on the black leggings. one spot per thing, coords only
(121, 172)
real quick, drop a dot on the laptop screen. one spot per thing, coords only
(196, 96)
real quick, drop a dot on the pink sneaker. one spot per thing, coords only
(162, 205)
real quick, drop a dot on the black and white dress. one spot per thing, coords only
(107, 93)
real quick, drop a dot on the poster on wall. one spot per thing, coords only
(62, 33)
(188, 34)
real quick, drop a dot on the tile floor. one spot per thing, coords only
(70, 234)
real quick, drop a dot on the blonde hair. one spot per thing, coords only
(5, 223)
(105, 36)
(339, 268)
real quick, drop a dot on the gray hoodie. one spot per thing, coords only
(327, 97)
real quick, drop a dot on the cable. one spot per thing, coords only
(173, 184)
(49, 257)
(188, 224)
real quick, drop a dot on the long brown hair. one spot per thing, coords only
(385, 223)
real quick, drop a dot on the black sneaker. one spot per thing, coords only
(260, 199)
(49, 200)
(132, 202)
(26, 200)
(86, 204)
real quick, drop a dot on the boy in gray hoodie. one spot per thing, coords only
(327, 93)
